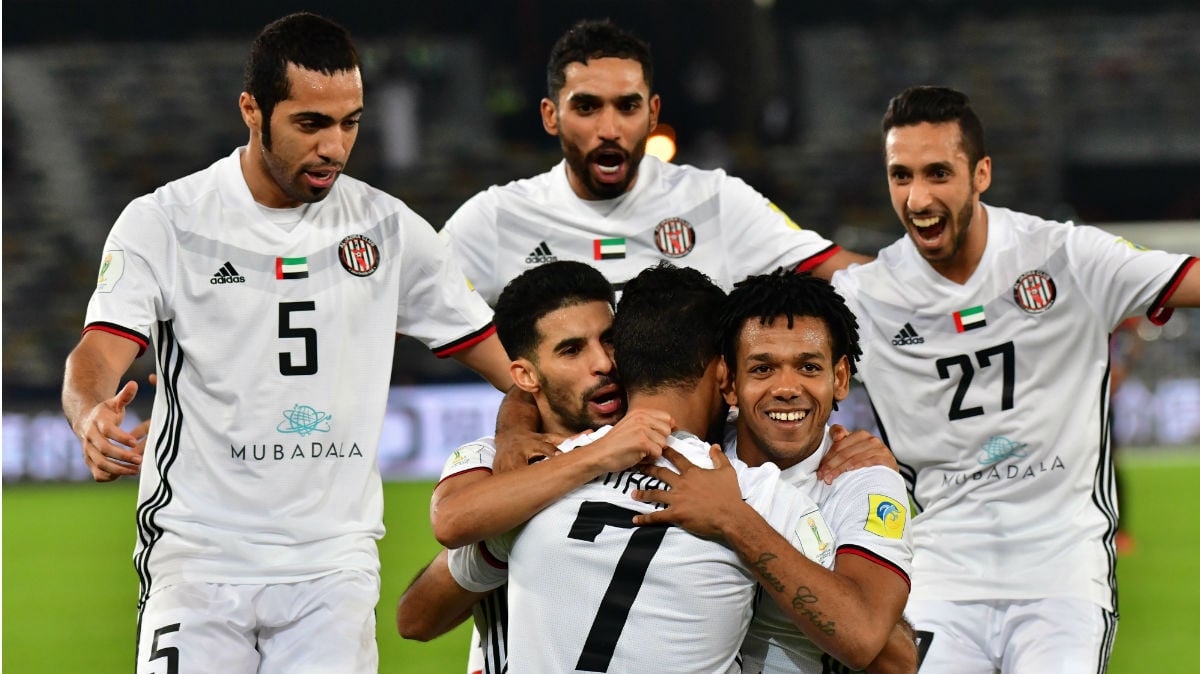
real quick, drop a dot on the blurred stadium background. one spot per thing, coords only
(1090, 110)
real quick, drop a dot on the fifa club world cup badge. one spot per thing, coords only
(358, 255)
(1034, 291)
(674, 237)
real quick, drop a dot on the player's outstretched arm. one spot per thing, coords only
(434, 602)
(1187, 294)
(848, 614)
(472, 506)
(840, 260)
(488, 359)
(93, 372)
(851, 451)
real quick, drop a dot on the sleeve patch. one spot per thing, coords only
(885, 516)
(814, 538)
(112, 268)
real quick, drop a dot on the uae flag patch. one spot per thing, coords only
(609, 249)
(291, 267)
(969, 319)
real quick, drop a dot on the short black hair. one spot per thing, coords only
(937, 105)
(593, 39)
(311, 42)
(665, 332)
(766, 297)
(540, 291)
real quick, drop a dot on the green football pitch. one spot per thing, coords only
(70, 590)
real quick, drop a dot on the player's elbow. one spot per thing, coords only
(450, 532)
(414, 624)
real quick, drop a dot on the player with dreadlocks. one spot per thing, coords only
(789, 341)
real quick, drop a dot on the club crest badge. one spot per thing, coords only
(674, 237)
(1034, 291)
(358, 255)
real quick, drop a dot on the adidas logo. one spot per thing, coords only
(540, 255)
(907, 336)
(227, 274)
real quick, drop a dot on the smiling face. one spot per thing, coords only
(784, 384)
(572, 375)
(936, 194)
(603, 115)
(311, 134)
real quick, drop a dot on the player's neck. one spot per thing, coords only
(691, 410)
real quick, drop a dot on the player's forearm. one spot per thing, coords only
(899, 654)
(830, 609)
(498, 503)
(89, 379)
(434, 603)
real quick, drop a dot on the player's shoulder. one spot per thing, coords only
(481, 452)
(862, 482)
(185, 191)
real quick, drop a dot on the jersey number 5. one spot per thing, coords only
(984, 358)
(309, 364)
(626, 580)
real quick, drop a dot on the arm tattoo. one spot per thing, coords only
(802, 603)
(768, 578)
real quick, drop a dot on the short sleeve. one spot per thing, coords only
(761, 237)
(478, 455)
(1122, 278)
(868, 510)
(136, 275)
(480, 567)
(438, 304)
(472, 238)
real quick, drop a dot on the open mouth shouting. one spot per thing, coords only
(610, 164)
(606, 401)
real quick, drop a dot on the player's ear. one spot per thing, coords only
(655, 107)
(841, 379)
(251, 113)
(727, 384)
(524, 375)
(983, 175)
(549, 116)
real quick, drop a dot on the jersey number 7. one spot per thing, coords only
(626, 580)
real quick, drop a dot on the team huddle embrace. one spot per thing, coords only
(664, 491)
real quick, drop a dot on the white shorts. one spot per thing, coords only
(320, 626)
(1065, 636)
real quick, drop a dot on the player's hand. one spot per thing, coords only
(704, 502)
(108, 450)
(637, 438)
(517, 448)
(854, 450)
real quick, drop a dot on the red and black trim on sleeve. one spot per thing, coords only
(142, 341)
(489, 557)
(849, 549)
(465, 342)
(1159, 314)
(816, 260)
(463, 472)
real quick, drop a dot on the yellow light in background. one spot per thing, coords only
(661, 142)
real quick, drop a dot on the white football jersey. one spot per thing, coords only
(273, 349)
(695, 218)
(993, 395)
(866, 512)
(588, 591)
(477, 569)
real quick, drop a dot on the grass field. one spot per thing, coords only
(70, 590)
